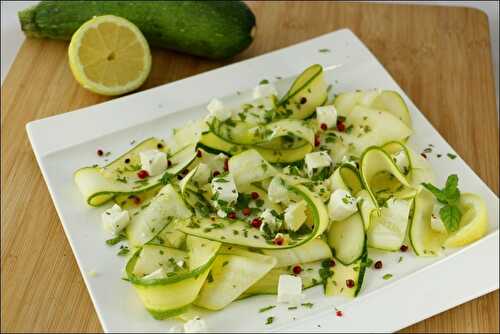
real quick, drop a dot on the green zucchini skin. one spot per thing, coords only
(211, 29)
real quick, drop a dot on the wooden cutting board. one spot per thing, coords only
(440, 56)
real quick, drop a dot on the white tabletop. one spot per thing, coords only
(12, 36)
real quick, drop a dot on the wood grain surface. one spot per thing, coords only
(440, 56)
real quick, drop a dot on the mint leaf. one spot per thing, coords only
(450, 215)
(440, 195)
(451, 182)
(450, 190)
(450, 194)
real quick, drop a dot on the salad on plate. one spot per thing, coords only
(275, 196)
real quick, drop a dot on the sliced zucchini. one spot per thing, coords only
(163, 209)
(387, 100)
(243, 133)
(337, 284)
(193, 195)
(230, 276)
(170, 236)
(268, 285)
(153, 257)
(172, 295)
(424, 240)
(474, 222)
(365, 207)
(366, 127)
(211, 142)
(100, 184)
(306, 93)
(189, 134)
(388, 231)
(347, 239)
(240, 233)
(375, 161)
(311, 251)
(346, 177)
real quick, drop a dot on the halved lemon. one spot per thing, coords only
(474, 222)
(109, 55)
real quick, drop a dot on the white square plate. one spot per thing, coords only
(420, 287)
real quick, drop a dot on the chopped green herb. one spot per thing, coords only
(269, 320)
(123, 251)
(115, 240)
(267, 308)
(400, 259)
(292, 307)
(387, 276)
(451, 156)
(122, 179)
(308, 305)
(263, 82)
(324, 50)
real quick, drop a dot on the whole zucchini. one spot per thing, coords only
(211, 29)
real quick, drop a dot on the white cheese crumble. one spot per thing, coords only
(264, 90)
(270, 220)
(202, 174)
(157, 274)
(214, 162)
(218, 110)
(289, 289)
(316, 160)
(153, 161)
(115, 219)
(327, 115)
(341, 205)
(295, 215)
(225, 188)
(277, 191)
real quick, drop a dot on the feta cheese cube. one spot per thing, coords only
(342, 205)
(221, 213)
(217, 109)
(153, 161)
(277, 191)
(270, 220)
(436, 222)
(289, 289)
(264, 90)
(115, 219)
(295, 215)
(157, 274)
(327, 115)
(317, 160)
(225, 188)
(214, 162)
(196, 325)
(202, 174)
(401, 160)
